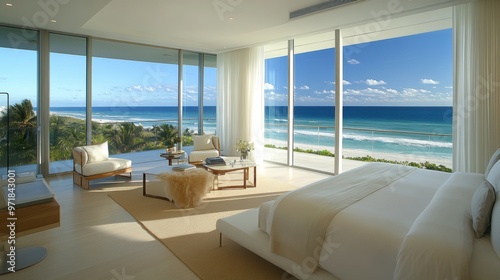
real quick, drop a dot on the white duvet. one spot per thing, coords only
(298, 234)
(365, 239)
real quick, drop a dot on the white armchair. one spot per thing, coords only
(204, 146)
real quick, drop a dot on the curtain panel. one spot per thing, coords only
(476, 116)
(240, 100)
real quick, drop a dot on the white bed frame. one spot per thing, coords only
(242, 228)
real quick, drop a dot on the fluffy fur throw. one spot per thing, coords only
(188, 188)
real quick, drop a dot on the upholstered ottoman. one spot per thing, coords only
(185, 189)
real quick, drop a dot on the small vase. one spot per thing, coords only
(244, 155)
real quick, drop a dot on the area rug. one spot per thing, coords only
(191, 235)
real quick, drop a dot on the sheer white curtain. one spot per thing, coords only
(240, 100)
(476, 124)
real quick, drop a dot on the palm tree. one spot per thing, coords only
(22, 122)
(73, 135)
(22, 118)
(126, 138)
(168, 134)
(22, 114)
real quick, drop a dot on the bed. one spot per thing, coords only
(390, 222)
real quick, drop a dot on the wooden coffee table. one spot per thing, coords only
(239, 165)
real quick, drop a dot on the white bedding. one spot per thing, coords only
(299, 234)
(363, 240)
(440, 241)
(371, 231)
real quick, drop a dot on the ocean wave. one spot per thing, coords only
(315, 133)
(80, 116)
(403, 141)
(399, 141)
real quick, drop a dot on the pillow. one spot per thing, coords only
(494, 176)
(494, 158)
(203, 142)
(187, 188)
(481, 207)
(495, 227)
(97, 152)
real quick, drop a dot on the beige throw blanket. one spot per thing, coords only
(300, 218)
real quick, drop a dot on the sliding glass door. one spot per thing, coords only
(19, 78)
(276, 103)
(67, 99)
(314, 110)
(134, 95)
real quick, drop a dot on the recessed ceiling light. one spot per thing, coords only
(230, 18)
(8, 4)
(53, 20)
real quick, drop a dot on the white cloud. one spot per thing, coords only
(413, 91)
(344, 82)
(387, 96)
(149, 88)
(353, 61)
(268, 86)
(304, 87)
(325, 91)
(429, 82)
(375, 91)
(372, 82)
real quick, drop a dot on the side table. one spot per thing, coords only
(172, 155)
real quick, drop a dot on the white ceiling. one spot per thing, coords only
(205, 25)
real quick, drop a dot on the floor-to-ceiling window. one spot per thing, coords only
(276, 103)
(67, 99)
(198, 95)
(209, 94)
(19, 78)
(397, 91)
(134, 96)
(191, 67)
(314, 111)
(398, 99)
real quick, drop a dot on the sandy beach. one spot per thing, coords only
(421, 157)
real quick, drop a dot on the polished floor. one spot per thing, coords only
(98, 239)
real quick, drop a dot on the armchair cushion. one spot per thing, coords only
(105, 166)
(97, 152)
(198, 156)
(203, 142)
(204, 146)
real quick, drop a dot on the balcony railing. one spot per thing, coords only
(357, 142)
(64, 136)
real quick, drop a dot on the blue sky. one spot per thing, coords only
(115, 82)
(408, 71)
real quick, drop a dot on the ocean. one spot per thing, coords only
(395, 130)
(145, 116)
